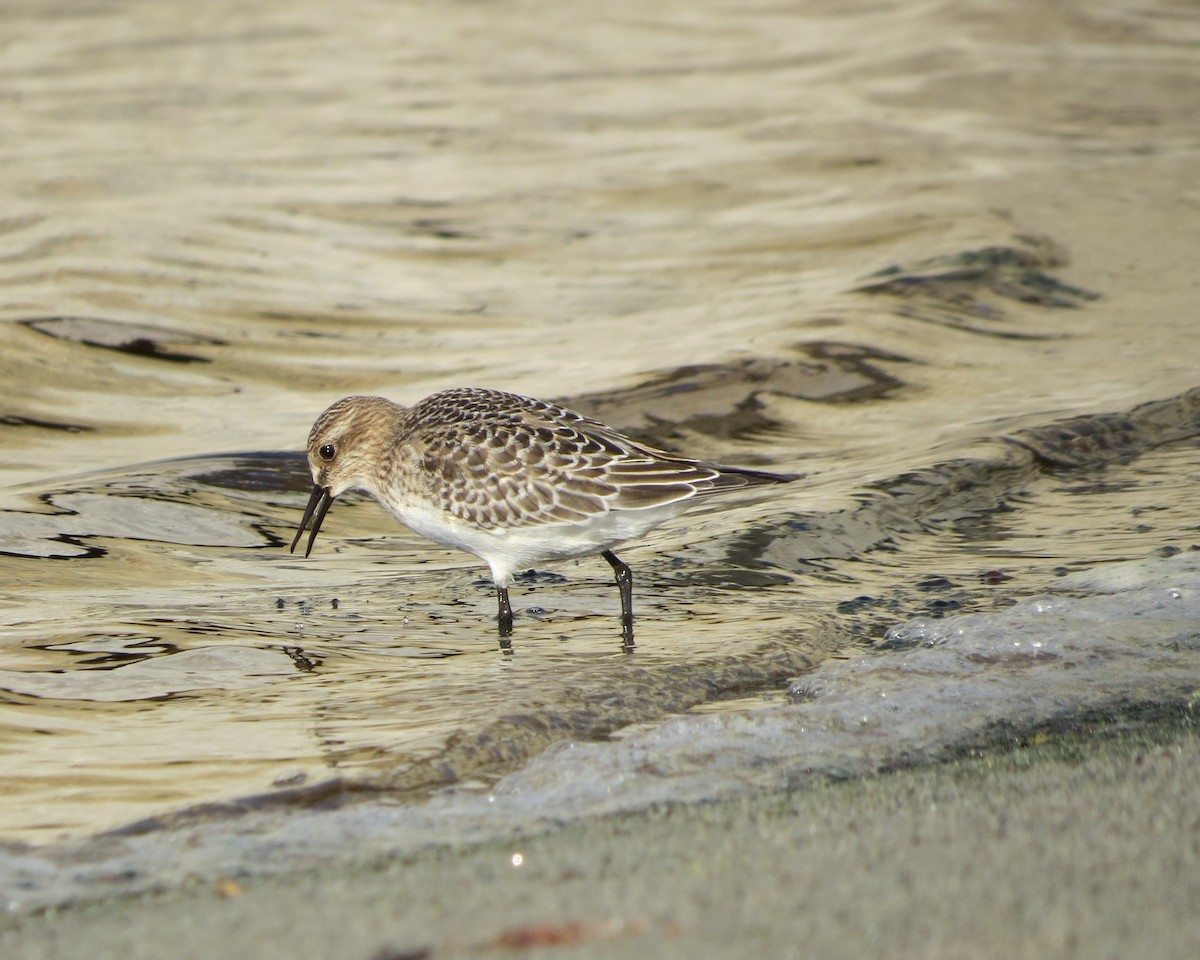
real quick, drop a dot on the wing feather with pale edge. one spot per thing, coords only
(501, 460)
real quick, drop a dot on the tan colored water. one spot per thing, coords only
(217, 218)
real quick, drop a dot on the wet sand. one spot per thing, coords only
(1083, 846)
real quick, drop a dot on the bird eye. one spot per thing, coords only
(327, 451)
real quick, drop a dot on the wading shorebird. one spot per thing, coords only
(514, 481)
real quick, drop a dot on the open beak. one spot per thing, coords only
(318, 505)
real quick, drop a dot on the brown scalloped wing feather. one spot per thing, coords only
(500, 460)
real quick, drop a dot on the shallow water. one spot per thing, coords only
(946, 273)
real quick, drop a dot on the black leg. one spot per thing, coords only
(504, 618)
(625, 583)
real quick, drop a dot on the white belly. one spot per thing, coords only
(509, 549)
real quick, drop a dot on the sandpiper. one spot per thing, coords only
(513, 480)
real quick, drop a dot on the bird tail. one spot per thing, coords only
(736, 478)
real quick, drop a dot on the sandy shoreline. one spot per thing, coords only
(1078, 846)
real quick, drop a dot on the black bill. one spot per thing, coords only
(318, 505)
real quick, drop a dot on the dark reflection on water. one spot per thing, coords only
(962, 288)
(16, 420)
(730, 400)
(139, 340)
(261, 472)
(158, 502)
